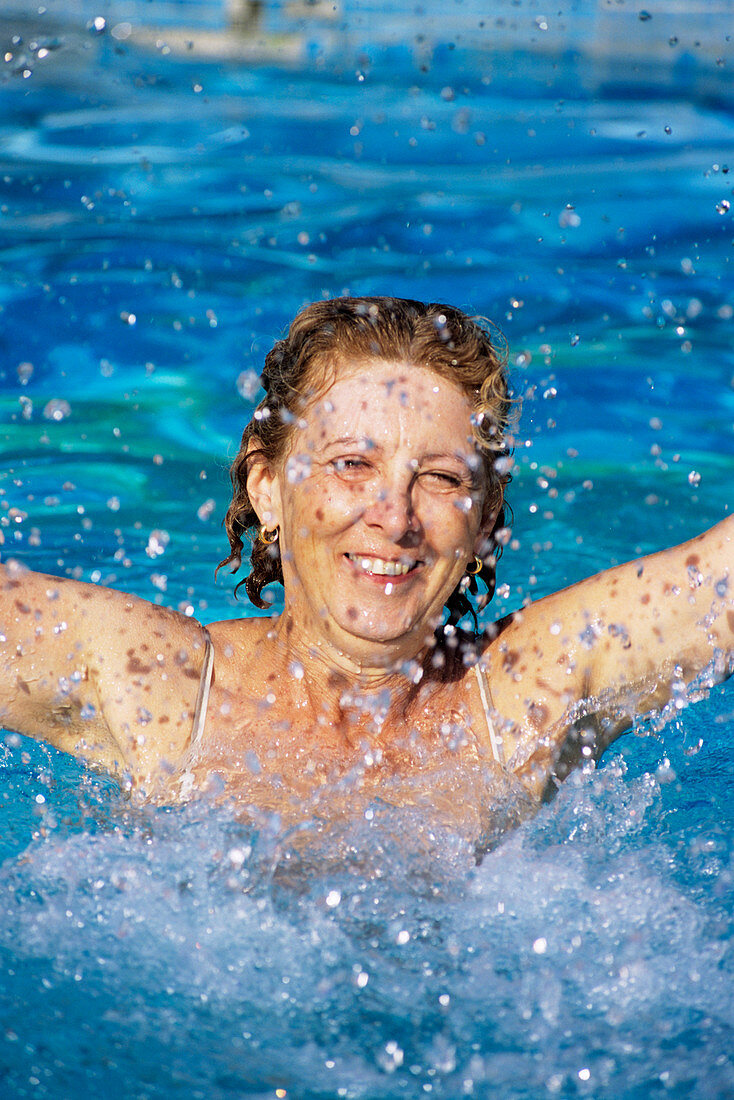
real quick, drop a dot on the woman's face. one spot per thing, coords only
(379, 503)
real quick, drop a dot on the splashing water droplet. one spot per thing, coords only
(57, 409)
(298, 468)
(157, 543)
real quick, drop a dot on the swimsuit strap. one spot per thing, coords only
(205, 683)
(495, 741)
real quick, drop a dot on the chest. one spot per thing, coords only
(271, 750)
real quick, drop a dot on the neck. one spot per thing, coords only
(337, 684)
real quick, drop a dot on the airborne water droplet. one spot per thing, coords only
(57, 409)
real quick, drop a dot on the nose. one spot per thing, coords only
(391, 509)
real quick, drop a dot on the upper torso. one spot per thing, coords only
(266, 743)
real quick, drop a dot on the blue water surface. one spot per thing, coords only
(171, 192)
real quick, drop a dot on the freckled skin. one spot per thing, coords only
(373, 679)
(98, 655)
(135, 666)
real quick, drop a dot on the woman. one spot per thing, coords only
(372, 478)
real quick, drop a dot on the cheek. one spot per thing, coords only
(320, 508)
(450, 520)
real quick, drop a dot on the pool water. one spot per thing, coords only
(165, 209)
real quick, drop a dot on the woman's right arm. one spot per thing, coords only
(98, 673)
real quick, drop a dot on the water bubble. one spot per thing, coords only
(57, 409)
(237, 856)
(574, 339)
(98, 25)
(644, 16)
(695, 579)
(390, 1057)
(205, 510)
(24, 372)
(568, 218)
(298, 468)
(694, 478)
(157, 543)
(723, 207)
(252, 762)
(333, 898)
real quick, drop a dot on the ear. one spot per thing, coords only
(263, 487)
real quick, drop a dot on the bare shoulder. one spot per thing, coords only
(238, 645)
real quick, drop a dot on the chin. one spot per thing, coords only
(388, 630)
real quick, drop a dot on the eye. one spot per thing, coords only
(350, 465)
(441, 480)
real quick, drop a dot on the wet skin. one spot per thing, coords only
(379, 504)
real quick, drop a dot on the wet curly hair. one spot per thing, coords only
(301, 367)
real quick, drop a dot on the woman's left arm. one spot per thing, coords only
(661, 620)
(620, 644)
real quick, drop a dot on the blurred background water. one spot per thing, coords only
(176, 180)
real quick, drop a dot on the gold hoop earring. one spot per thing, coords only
(268, 537)
(478, 566)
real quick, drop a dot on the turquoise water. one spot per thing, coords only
(163, 213)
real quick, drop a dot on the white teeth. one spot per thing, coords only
(380, 567)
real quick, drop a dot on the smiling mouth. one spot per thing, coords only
(380, 567)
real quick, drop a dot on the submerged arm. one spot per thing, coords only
(98, 673)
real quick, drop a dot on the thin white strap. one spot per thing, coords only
(205, 683)
(495, 741)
